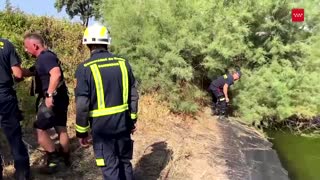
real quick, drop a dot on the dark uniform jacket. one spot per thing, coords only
(221, 81)
(46, 61)
(108, 84)
(8, 58)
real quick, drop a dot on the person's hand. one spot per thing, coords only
(49, 102)
(29, 72)
(85, 142)
(227, 100)
(134, 128)
(17, 80)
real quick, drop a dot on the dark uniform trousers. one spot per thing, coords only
(113, 154)
(219, 101)
(112, 81)
(10, 117)
(57, 116)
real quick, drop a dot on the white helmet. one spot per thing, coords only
(96, 34)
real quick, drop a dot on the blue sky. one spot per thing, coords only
(37, 7)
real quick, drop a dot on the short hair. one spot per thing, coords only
(97, 46)
(237, 72)
(35, 36)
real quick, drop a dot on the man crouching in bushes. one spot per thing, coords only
(219, 89)
(52, 102)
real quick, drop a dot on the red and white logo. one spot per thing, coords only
(297, 15)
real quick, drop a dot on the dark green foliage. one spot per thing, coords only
(176, 46)
(62, 37)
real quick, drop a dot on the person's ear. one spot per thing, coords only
(36, 47)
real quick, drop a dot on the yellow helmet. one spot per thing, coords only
(96, 34)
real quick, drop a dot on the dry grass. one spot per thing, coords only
(167, 146)
(184, 151)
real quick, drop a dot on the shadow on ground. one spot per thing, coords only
(79, 161)
(155, 159)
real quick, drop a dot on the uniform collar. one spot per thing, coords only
(43, 51)
(96, 51)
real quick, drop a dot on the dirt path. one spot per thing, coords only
(167, 146)
(179, 149)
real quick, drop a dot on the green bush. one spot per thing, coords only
(174, 43)
(177, 47)
(62, 36)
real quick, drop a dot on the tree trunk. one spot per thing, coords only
(85, 22)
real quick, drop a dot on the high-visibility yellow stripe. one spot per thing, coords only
(103, 31)
(103, 60)
(225, 76)
(100, 162)
(119, 59)
(133, 116)
(99, 86)
(95, 61)
(86, 33)
(52, 165)
(101, 109)
(109, 110)
(124, 72)
(82, 129)
(108, 65)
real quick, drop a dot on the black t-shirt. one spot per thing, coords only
(8, 58)
(46, 61)
(220, 81)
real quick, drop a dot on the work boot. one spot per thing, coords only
(22, 175)
(221, 115)
(215, 109)
(65, 156)
(222, 118)
(53, 163)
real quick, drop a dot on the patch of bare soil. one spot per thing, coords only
(167, 146)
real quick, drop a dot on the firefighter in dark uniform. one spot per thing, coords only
(219, 89)
(10, 115)
(52, 102)
(106, 101)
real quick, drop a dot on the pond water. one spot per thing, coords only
(299, 155)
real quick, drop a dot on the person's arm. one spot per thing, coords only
(28, 72)
(225, 91)
(134, 96)
(55, 77)
(82, 106)
(17, 73)
(48, 63)
(15, 62)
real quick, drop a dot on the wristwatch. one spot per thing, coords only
(48, 95)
